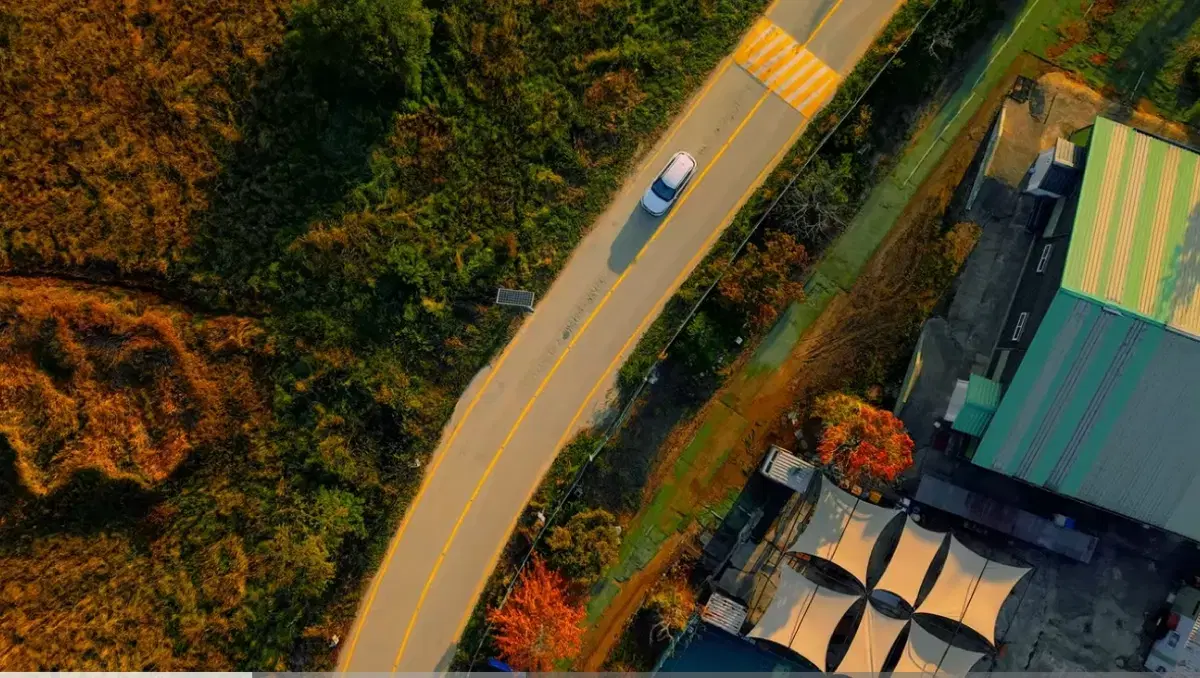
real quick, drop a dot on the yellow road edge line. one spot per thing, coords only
(654, 313)
(758, 25)
(583, 328)
(439, 455)
(429, 475)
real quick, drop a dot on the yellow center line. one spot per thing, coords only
(812, 36)
(441, 453)
(678, 124)
(583, 328)
(554, 369)
(650, 316)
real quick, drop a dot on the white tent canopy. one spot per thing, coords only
(993, 589)
(828, 522)
(778, 623)
(971, 589)
(910, 562)
(862, 531)
(802, 616)
(925, 654)
(816, 628)
(872, 642)
(843, 530)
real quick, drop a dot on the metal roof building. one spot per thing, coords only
(1104, 406)
(1135, 244)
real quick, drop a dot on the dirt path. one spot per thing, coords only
(602, 638)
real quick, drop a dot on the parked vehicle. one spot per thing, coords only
(669, 184)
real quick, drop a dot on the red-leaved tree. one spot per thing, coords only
(538, 627)
(862, 441)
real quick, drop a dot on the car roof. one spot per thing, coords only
(678, 169)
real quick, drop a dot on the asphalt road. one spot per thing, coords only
(560, 366)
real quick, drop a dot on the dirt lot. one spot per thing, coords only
(1072, 616)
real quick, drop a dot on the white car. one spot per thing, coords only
(669, 184)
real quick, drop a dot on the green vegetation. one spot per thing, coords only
(764, 280)
(346, 180)
(828, 193)
(662, 616)
(584, 547)
(1136, 48)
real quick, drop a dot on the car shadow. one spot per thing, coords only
(637, 231)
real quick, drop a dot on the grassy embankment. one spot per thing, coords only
(294, 218)
(1153, 38)
(842, 174)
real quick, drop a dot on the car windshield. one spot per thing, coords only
(662, 190)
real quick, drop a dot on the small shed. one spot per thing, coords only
(981, 398)
(1056, 169)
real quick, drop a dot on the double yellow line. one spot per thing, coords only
(441, 454)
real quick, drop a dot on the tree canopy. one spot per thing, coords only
(538, 627)
(585, 546)
(861, 441)
(374, 45)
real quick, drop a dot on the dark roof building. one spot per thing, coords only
(1102, 392)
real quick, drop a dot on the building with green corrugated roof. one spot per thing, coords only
(1099, 360)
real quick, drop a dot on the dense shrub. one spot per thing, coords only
(584, 546)
(372, 45)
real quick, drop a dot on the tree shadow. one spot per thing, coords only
(1143, 57)
(622, 472)
(1181, 289)
(89, 503)
(304, 141)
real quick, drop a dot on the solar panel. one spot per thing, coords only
(518, 298)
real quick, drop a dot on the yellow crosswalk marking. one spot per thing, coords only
(786, 67)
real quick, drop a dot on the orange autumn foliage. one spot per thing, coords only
(862, 441)
(116, 384)
(763, 280)
(102, 603)
(539, 626)
(115, 114)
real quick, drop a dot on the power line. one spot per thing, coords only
(625, 410)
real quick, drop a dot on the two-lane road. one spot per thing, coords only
(560, 366)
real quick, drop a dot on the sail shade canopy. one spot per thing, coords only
(910, 562)
(820, 538)
(803, 616)
(924, 654)
(872, 642)
(971, 589)
(843, 530)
